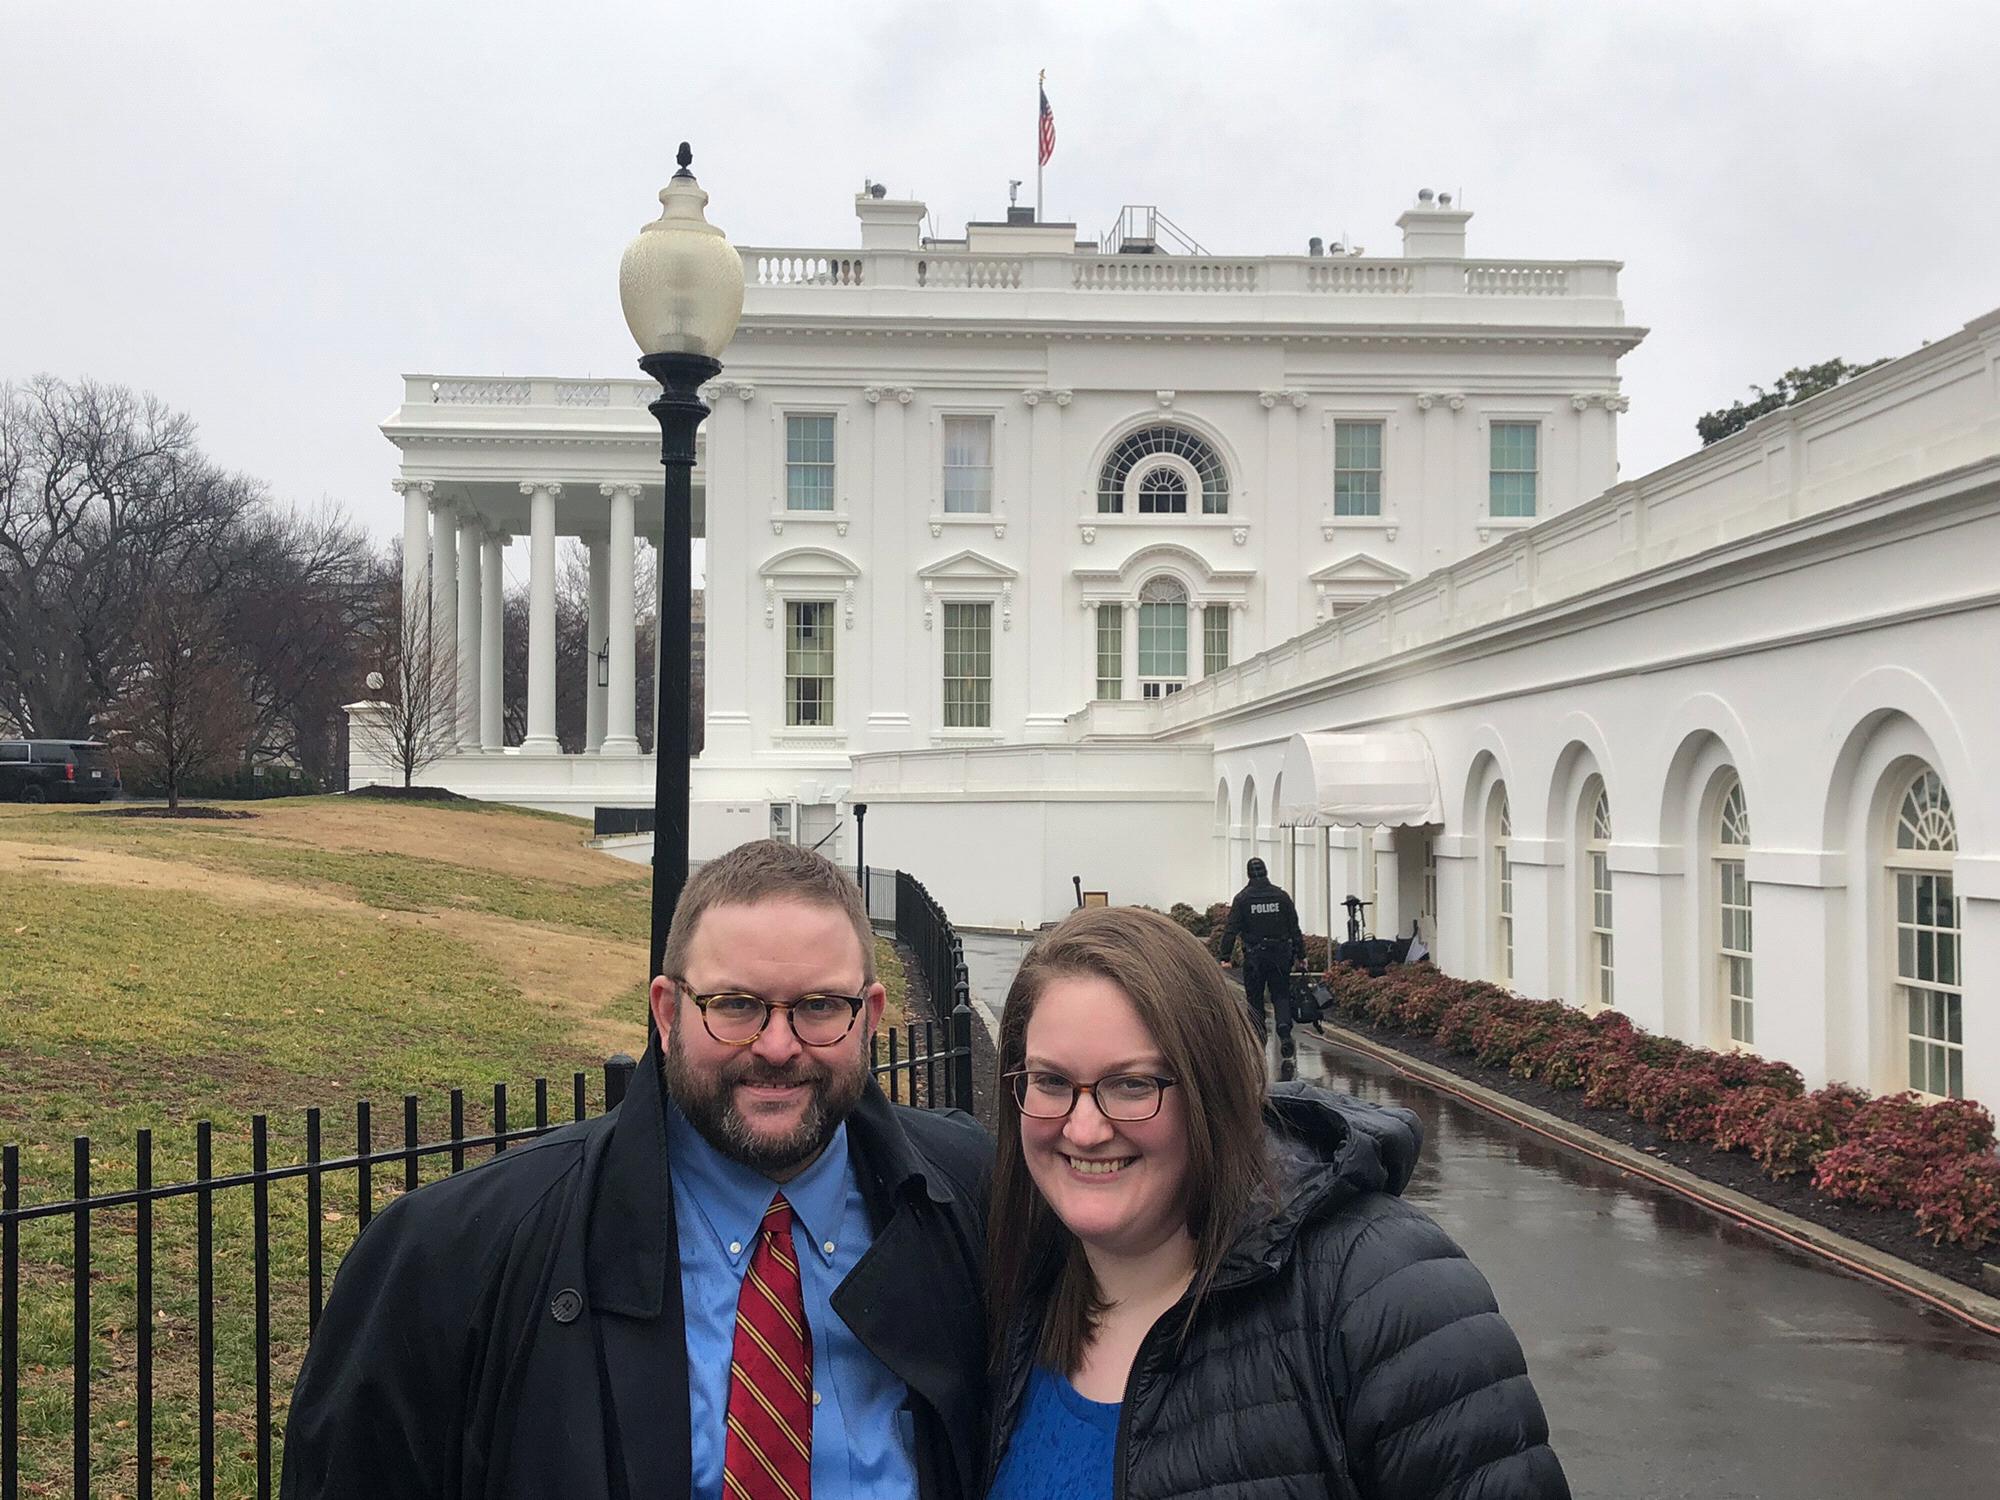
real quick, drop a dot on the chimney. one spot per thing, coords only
(888, 223)
(1433, 230)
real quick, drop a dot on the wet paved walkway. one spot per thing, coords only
(1678, 1354)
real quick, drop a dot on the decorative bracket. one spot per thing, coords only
(847, 590)
(770, 601)
(1006, 606)
(1165, 398)
(1089, 535)
(1239, 535)
(930, 602)
(1451, 399)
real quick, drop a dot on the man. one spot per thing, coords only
(755, 1278)
(1264, 917)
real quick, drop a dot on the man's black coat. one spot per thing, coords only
(515, 1333)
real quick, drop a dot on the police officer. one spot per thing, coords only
(1264, 917)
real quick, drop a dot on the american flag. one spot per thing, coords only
(1048, 131)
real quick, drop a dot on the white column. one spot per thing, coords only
(1197, 658)
(469, 593)
(416, 543)
(541, 737)
(593, 695)
(444, 587)
(492, 651)
(620, 710)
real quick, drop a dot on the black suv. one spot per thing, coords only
(56, 771)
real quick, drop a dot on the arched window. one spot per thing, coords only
(1928, 967)
(1732, 915)
(1163, 465)
(1503, 889)
(1163, 637)
(1597, 848)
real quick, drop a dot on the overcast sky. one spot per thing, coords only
(265, 213)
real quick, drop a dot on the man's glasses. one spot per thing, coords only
(737, 1019)
(1125, 1097)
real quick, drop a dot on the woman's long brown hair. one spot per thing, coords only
(1203, 1034)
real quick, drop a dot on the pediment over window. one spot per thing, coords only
(1351, 582)
(1168, 557)
(809, 562)
(1360, 570)
(968, 566)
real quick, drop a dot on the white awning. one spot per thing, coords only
(1364, 780)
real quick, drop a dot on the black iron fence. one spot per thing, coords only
(148, 1328)
(924, 929)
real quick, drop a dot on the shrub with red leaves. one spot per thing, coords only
(1959, 1201)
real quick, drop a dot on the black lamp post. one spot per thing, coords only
(681, 284)
(861, 846)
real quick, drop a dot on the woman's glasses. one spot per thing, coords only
(737, 1019)
(1125, 1097)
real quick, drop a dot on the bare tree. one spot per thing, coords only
(416, 721)
(106, 502)
(185, 712)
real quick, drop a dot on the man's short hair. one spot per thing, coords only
(768, 871)
(1255, 869)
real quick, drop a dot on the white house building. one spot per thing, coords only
(1081, 560)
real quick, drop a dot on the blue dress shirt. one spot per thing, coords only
(862, 1438)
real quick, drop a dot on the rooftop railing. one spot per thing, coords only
(953, 268)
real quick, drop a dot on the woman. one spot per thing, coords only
(1199, 1288)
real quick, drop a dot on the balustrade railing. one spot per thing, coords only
(1516, 281)
(802, 268)
(1168, 273)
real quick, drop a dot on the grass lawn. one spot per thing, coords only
(322, 951)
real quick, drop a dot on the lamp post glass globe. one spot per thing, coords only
(681, 285)
(681, 281)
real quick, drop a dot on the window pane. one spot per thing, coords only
(808, 662)
(1947, 958)
(1954, 1020)
(968, 465)
(968, 665)
(1357, 468)
(1514, 468)
(1163, 640)
(809, 466)
(1954, 1078)
(1214, 638)
(1906, 953)
(1110, 650)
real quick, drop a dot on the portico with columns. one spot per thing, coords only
(582, 463)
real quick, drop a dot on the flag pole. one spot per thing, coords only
(1040, 82)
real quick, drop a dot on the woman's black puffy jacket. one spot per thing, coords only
(1347, 1347)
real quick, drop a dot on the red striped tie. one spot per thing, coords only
(768, 1455)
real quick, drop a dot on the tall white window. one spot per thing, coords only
(1163, 628)
(1111, 651)
(1516, 463)
(808, 460)
(968, 465)
(1598, 850)
(1732, 917)
(1503, 890)
(1357, 468)
(808, 662)
(1214, 638)
(968, 665)
(1928, 967)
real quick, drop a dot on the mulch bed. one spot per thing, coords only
(1889, 1232)
(407, 794)
(190, 810)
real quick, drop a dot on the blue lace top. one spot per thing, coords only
(1063, 1447)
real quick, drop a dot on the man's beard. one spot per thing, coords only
(709, 1104)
